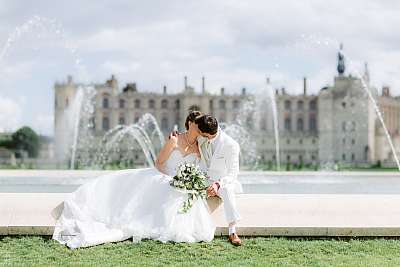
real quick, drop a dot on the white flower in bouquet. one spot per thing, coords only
(191, 179)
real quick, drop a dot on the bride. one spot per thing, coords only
(138, 203)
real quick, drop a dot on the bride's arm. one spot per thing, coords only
(170, 145)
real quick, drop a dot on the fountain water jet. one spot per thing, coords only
(49, 25)
(379, 114)
(274, 109)
(113, 139)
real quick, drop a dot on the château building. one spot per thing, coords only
(338, 124)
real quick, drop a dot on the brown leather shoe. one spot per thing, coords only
(235, 240)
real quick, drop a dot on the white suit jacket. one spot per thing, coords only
(224, 164)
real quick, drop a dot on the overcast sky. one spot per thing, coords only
(234, 44)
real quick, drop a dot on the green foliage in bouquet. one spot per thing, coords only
(193, 181)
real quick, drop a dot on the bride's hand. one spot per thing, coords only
(173, 138)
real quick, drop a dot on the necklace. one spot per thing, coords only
(187, 142)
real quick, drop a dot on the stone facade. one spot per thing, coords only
(339, 124)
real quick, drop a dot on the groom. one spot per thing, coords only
(221, 156)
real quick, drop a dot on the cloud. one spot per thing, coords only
(10, 114)
(44, 124)
(233, 43)
(120, 68)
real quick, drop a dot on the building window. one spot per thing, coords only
(353, 125)
(211, 104)
(288, 141)
(121, 103)
(313, 123)
(263, 124)
(66, 102)
(344, 104)
(366, 151)
(121, 120)
(92, 123)
(288, 124)
(236, 104)
(177, 104)
(353, 141)
(343, 141)
(301, 141)
(152, 103)
(287, 158)
(313, 141)
(288, 105)
(164, 123)
(136, 118)
(313, 105)
(222, 104)
(300, 105)
(343, 156)
(105, 103)
(353, 157)
(343, 126)
(106, 124)
(300, 125)
(137, 103)
(164, 104)
(312, 157)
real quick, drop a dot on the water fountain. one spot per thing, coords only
(142, 133)
(271, 94)
(366, 88)
(43, 25)
(81, 117)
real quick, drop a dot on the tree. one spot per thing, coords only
(26, 139)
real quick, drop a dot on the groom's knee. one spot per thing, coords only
(226, 193)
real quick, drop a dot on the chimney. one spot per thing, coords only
(305, 86)
(243, 90)
(386, 91)
(222, 90)
(283, 90)
(165, 90)
(186, 82)
(113, 83)
(69, 79)
(203, 85)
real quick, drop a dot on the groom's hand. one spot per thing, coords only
(213, 189)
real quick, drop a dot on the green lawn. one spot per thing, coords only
(42, 251)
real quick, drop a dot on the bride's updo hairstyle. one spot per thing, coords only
(207, 124)
(192, 117)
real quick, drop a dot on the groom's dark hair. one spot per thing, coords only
(207, 124)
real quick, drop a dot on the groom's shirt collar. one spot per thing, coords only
(215, 140)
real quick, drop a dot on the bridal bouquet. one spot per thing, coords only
(191, 180)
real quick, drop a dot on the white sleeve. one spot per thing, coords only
(232, 162)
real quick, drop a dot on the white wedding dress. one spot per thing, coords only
(133, 203)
